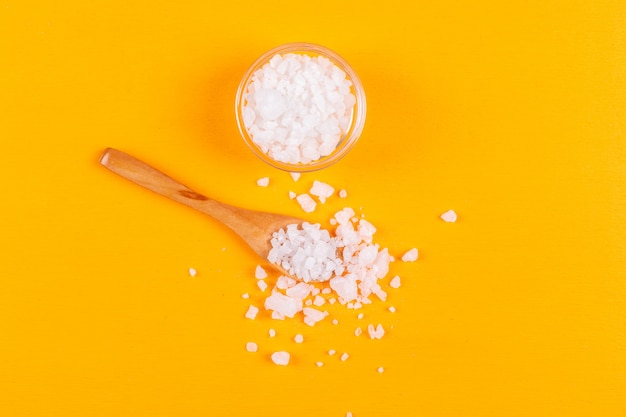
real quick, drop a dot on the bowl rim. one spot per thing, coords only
(357, 120)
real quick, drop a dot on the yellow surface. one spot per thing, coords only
(511, 113)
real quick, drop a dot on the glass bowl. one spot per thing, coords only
(348, 134)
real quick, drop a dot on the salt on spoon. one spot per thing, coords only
(254, 227)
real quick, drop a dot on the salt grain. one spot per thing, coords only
(358, 331)
(392, 309)
(251, 347)
(295, 175)
(343, 194)
(292, 195)
(395, 282)
(259, 272)
(298, 338)
(381, 370)
(360, 316)
(281, 358)
(263, 182)
(306, 203)
(271, 332)
(321, 190)
(245, 295)
(319, 364)
(331, 352)
(262, 285)
(192, 272)
(319, 300)
(344, 357)
(376, 332)
(410, 256)
(335, 322)
(449, 216)
(252, 312)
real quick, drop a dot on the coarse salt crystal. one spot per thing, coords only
(319, 364)
(262, 285)
(306, 203)
(332, 300)
(343, 193)
(319, 300)
(335, 322)
(283, 304)
(251, 347)
(449, 216)
(358, 331)
(326, 291)
(292, 195)
(308, 302)
(263, 182)
(410, 256)
(360, 316)
(192, 272)
(259, 272)
(395, 282)
(331, 352)
(281, 358)
(245, 295)
(381, 370)
(392, 309)
(298, 338)
(252, 312)
(295, 175)
(312, 315)
(376, 332)
(321, 190)
(299, 291)
(344, 357)
(284, 282)
(271, 332)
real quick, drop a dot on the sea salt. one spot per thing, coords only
(251, 347)
(245, 295)
(343, 193)
(395, 282)
(259, 272)
(358, 331)
(297, 107)
(298, 338)
(263, 182)
(192, 272)
(410, 255)
(381, 370)
(292, 195)
(252, 312)
(376, 332)
(331, 352)
(262, 285)
(449, 216)
(321, 190)
(392, 309)
(319, 364)
(295, 175)
(281, 358)
(306, 203)
(271, 332)
(344, 357)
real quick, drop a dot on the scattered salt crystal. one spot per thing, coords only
(298, 338)
(280, 358)
(345, 357)
(332, 300)
(319, 300)
(326, 291)
(295, 175)
(343, 193)
(251, 347)
(284, 282)
(358, 331)
(381, 370)
(376, 332)
(331, 352)
(308, 302)
(410, 255)
(259, 272)
(263, 182)
(312, 315)
(245, 295)
(348, 414)
(315, 291)
(277, 316)
(283, 304)
(306, 202)
(299, 291)
(392, 309)
(449, 216)
(395, 282)
(360, 316)
(321, 190)
(252, 312)
(319, 364)
(192, 272)
(335, 322)
(292, 195)
(262, 285)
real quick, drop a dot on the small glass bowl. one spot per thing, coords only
(357, 118)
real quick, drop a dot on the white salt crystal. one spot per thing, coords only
(259, 272)
(245, 295)
(449, 216)
(263, 182)
(343, 193)
(262, 285)
(295, 175)
(299, 291)
(358, 331)
(312, 315)
(331, 352)
(192, 272)
(392, 309)
(395, 282)
(281, 358)
(298, 338)
(319, 364)
(326, 291)
(252, 312)
(321, 190)
(360, 316)
(308, 302)
(271, 332)
(319, 300)
(381, 370)
(277, 316)
(376, 332)
(344, 357)
(283, 304)
(251, 347)
(410, 256)
(315, 291)
(306, 202)
(284, 282)
(292, 195)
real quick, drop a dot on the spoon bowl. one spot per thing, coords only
(254, 227)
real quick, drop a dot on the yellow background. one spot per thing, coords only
(511, 113)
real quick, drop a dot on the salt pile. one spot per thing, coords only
(298, 107)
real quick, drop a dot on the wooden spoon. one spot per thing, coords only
(254, 227)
